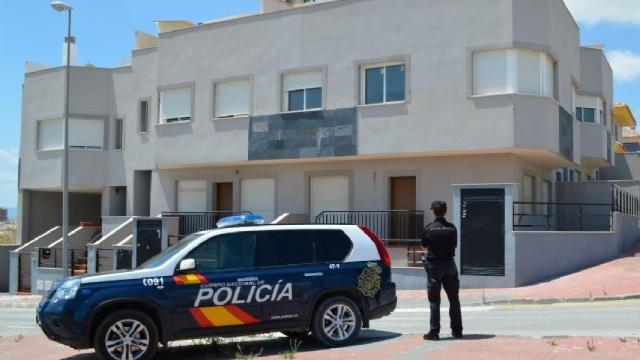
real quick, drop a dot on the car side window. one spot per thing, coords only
(331, 246)
(226, 252)
(285, 247)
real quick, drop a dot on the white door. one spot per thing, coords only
(258, 196)
(329, 193)
(192, 196)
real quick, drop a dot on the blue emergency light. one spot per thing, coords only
(240, 220)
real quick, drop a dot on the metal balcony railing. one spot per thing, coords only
(624, 202)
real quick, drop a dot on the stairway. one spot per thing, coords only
(80, 266)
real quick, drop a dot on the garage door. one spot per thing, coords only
(258, 196)
(329, 193)
(192, 195)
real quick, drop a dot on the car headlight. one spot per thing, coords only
(66, 291)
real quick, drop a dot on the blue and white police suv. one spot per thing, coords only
(324, 280)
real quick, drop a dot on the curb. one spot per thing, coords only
(550, 301)
(8, 305)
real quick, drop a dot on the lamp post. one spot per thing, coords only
(61, 7)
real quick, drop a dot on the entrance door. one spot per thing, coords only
(482, 232)
(223, 200)
(148, 240)
(403, 197)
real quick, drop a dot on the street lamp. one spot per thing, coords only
(60, 7)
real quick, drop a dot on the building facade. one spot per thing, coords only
(336, 105)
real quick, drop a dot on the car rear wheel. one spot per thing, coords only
(337, 322)
(126, 334)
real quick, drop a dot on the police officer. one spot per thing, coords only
(440, 239)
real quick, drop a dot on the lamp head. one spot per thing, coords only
(60, 6)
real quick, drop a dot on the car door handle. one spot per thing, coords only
(252, 278)
(315, 274)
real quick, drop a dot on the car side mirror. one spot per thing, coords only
(187, 265)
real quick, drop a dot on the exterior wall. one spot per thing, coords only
(369, 179)
(5, 268)
(544, 255)
(594, 140)
(627, 167)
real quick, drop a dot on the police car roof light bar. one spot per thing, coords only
(240, 220)
(382, 250)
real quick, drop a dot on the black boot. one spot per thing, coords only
(433, 336)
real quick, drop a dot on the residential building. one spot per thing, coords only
(627, 163)
(345, 105)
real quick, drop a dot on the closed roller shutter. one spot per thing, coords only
(258, 197)
(329, 193)
(192, 196)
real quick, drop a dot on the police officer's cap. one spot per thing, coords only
(438, 205)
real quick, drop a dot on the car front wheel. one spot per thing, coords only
(337, 322)
(126, 334)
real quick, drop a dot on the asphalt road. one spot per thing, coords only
(610, 319)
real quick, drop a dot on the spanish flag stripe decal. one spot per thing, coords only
(219, 316)
(178, 280)
(190, 279)
(202, 279)
(241, 314)
(202, 320)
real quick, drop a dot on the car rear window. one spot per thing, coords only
(299, 247)
(331, 246)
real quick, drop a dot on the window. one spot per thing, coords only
(509, 71)
(83, 134)
(586, 115)
(383, 84)
(119, 134)
(302, 91)
(234, 251)
(289, 247)
(50, 135)
(86, 134)
(175, 105)
(331, 246)
(143, 116)
(192, 195)
(232, 98)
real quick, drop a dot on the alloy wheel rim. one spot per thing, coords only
(127, 339)
(339, 322)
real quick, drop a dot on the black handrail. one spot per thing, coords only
(557, 216)
(190, 222)
(389, 225)
(624, 202)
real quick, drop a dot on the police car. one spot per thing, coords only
(325, 280)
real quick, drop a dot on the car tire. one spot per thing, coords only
(337, 322)
(126, 330)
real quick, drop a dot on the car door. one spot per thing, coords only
(218, 295)
(286, 266)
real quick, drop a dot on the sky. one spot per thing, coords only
(104, 29)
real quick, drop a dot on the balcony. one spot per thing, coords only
(595, 145)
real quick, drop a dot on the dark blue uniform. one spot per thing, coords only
(441, 239)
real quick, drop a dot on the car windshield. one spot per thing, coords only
(168, 253)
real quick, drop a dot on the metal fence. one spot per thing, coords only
(549, 216)
(52, 257)
(193, 222)
(400, 231)
(624, 202)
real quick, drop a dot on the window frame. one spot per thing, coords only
(214, 94)
(190, 86)
(38, 135)
(104, 144)
(384, 65)
(512, 73)
(118, 137)
(284, 93)
(148, 102)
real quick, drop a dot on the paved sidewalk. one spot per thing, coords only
(372, 347)
(615, 280)
(19, 301)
